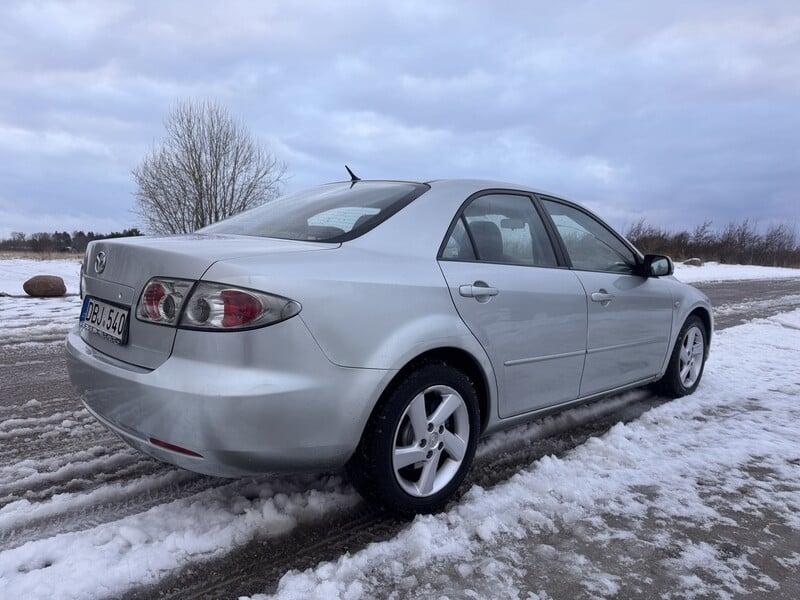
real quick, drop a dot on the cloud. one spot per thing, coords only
(16, 218)
(679, 112)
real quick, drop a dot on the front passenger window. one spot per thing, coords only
(590, 245)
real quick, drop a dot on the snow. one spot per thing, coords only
(654, 485)
(139, 549)
(16, 271)
(712, 271)
(25, 319)
(695, 464)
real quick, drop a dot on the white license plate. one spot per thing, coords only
(105, 319)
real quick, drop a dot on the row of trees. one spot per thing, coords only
(58, 241)
(738, 243)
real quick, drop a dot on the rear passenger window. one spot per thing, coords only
(500, 228)
(458, 245)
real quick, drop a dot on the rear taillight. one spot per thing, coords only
(153, 295)
(211, 306)
(239, 308)
(162, 300)
(217, 306)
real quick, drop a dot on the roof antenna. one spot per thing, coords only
(353, 176)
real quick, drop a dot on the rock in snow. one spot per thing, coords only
(45, 286)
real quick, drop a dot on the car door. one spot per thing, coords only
(528, 312)
(630, 316)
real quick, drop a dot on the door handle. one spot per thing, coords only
(478, 290)
(603, 297)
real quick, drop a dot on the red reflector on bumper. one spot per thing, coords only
(174, 448)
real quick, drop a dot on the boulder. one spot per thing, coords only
(43, 286)
(693, 262)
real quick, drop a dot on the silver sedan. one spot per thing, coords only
(379, 325)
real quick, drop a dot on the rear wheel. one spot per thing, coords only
(686, 363)
(419, 443)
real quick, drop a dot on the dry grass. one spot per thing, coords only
(6, 254)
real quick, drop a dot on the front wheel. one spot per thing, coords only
(419, 442)
(686, 363)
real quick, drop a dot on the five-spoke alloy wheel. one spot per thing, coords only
(691, 356)
(419, 442)
(686, 361)
(430, 441)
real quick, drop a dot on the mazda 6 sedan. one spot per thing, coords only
(383, 326)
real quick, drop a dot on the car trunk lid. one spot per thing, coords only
(116, 271)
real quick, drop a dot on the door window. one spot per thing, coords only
(459, 246)
(590, 244)
(500, 228)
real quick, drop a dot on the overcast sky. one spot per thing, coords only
(674, 111)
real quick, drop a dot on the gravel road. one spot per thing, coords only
(50, 445)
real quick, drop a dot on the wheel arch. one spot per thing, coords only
(457, 358)
(705, 316)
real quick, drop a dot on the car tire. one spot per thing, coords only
(686, 363)
(419, 443)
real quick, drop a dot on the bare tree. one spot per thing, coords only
(207, 168)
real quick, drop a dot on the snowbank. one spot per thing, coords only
(716, 272)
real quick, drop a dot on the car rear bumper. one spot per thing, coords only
(251, 410)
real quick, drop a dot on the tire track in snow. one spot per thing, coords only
(736, 302)
(40, 320)
(60, 470)
(80, 471)
(257, 566)
(26, 521)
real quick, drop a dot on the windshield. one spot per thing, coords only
(336, 212)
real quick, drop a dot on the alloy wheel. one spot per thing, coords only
(691, 356)
(430, 441)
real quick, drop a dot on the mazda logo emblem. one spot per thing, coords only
(100, 262)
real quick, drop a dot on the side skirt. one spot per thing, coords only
(509, 422)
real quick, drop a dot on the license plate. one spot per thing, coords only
(107, 320)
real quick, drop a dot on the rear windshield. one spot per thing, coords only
(336, 212)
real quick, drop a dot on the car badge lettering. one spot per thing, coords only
(100, 262)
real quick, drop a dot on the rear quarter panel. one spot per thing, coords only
(364, 309)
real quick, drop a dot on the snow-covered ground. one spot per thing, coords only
(16, 271)
(24, 319)
(638, 506)
(713, 271)
(707, 461)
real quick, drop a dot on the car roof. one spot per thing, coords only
(466, 185)
(483, 184)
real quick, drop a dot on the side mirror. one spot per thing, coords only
(656, 265)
